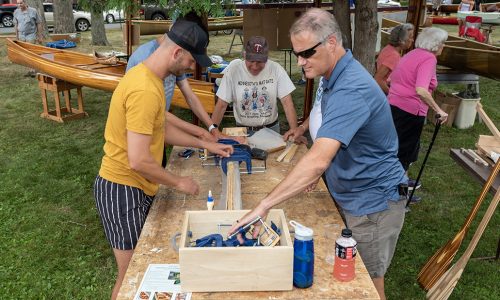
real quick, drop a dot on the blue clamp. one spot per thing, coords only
(241, 153)
(211, 240)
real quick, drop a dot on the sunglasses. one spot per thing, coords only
(305, 54)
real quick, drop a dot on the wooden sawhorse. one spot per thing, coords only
(48, 83)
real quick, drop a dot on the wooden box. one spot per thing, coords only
(220, 269)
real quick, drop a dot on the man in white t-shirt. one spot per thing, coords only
(253, 86)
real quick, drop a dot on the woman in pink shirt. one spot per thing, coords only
(412, 82)
(400, 39)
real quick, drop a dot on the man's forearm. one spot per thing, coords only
(220, 108)
(290, 113)
(194, 102)
(307, 171)
(183, 125)
(177, 137)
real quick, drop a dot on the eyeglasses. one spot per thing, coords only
(305, 54)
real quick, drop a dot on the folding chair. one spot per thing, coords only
(472, 28)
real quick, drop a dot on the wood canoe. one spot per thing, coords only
(83, 69)
(148, 27)
(460, 54)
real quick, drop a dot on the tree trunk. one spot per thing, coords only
(38, 5)
(63, 16)
(98, 31)
(342, 13)
(365, 33)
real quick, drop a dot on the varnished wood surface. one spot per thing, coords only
(460, 54)
(315, 210)
(83, 70)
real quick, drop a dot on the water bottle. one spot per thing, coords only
(345, 256)
(303, 256)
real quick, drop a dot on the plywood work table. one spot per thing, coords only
(315, 209)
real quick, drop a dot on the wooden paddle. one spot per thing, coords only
(445, 285)
(441, 260)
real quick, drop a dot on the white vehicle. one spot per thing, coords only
(113, 15)
(82, 19)
(388, 3)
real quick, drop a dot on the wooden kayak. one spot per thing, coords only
(460, 54)
(148, 27)
(84, 70)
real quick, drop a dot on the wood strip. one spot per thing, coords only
(491, 126)
(283, 154)
(289, 156)
(230, 186)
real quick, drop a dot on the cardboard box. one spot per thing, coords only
(220, 269)
(449, 103)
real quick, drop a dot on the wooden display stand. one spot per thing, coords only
(48, 83)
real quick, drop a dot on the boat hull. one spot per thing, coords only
(81, 69)
(461, 54)
(215, 24)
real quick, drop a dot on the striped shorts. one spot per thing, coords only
(123, 210)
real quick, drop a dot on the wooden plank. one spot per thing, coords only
(289, 156)
(491, 126)
(474, 157)
(283, 154)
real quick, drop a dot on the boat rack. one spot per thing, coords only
(470, 80)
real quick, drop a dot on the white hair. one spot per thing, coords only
(431, 39)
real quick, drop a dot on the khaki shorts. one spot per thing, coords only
(377, 235)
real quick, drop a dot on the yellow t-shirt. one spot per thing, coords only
(138, 105)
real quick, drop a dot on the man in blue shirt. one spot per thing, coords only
(356, 146)
(143, 52)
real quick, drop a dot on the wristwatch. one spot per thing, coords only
(213, 126)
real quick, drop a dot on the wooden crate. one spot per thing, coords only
(218, 269)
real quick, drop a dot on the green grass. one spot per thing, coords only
(52, 244)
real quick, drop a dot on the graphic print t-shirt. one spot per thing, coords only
(254, 97)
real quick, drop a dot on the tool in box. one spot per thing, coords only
(270, 236)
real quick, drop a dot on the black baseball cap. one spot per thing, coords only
(191, 37)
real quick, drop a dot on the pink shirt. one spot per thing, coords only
(415, 69)
(388, 57)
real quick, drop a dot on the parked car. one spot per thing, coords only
(7, 14)
(81, 18)
(113, 15)
(153, 12)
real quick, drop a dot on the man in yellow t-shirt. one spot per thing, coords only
(135, 132)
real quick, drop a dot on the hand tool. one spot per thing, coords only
(439, 262)
(186, 153)
(269, 237)
(259, 154)
(211, 240)
(243, 230)
(241, 153)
